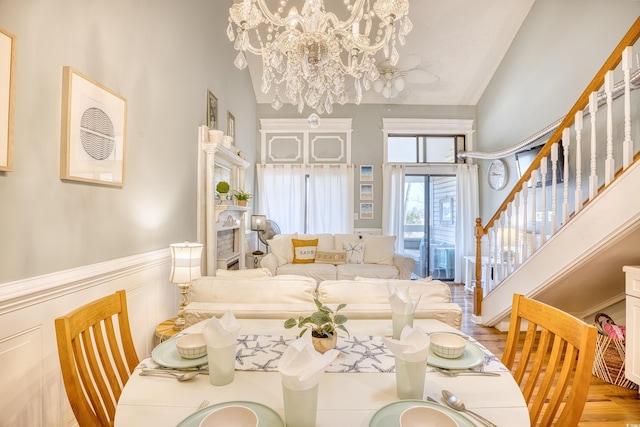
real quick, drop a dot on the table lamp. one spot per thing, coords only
(185, 267)
(259, 224)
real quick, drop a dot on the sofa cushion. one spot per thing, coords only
(380, 271)
(379, 249)
(331, 257)
(340, 239)
(247, 273)
(317, 271)
(325, 241)
(304, 251)
(348, 291)
(355, 252)
(280, 289)
(282, 247)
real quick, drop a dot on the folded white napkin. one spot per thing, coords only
(223, 332)
(413, 345)
(400, 300)
(301, 366)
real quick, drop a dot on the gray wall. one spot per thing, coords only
(162, 55)
(366, 140)
(556, 53)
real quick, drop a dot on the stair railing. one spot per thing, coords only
(535, 210)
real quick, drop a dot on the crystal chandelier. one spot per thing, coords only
(313, 53)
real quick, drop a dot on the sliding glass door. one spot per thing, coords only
(429, 224)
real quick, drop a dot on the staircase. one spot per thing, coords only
(573, 261)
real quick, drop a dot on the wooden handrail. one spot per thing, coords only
(629, 39)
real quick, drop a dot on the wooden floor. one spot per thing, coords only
(607, 405)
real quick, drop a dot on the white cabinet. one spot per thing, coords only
(632, 274)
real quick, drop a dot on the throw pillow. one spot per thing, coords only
(331, 257)
(355, 252)
(380, 249)
(281, 247)
(304, 251)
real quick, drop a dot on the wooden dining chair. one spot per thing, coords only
(554, 361)
(97, 357)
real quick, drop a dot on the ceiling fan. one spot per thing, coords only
(393, 78)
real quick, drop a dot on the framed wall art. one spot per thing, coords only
(7, 87)
(366, 210)
(446, 211)
(93, 131)
(366, 191)
(212, 111)
(366, 173)
(231, 127)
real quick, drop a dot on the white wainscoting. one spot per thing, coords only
(32, 390)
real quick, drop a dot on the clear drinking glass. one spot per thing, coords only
(410, 379)
(399, 321)
(222, 364)
(300, 406)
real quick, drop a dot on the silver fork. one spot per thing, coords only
(456, 373)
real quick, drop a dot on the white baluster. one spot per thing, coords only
(609, 165)
(501, 254)
(566, 140)
(525, 235)
(627, 145)
(554, 186)
(593, 176)
(543, 200)
(516, 244)
(579, 198)
(509, 213)
(494, 261)
(534, 201)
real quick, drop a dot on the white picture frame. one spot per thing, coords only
(7, 89)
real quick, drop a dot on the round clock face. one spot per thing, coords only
(497, 174)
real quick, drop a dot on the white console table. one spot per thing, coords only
(470, 273)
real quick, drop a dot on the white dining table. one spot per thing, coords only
(344, 399)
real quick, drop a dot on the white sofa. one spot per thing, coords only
(355, 256)
(280, 297)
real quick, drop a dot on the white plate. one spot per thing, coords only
(389, 415)
(166, 354)
(473, 356)
(267, 417)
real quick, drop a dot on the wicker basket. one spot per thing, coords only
(609, 364)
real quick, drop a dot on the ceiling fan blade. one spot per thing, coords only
(421, 77)
(408, 62)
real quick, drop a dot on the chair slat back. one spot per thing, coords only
(97, 356)
(552, 363)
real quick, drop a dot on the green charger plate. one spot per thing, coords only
(389, 415)
(166, 354)
(267, 417)
(473, 356)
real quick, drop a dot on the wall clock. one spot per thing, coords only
(497, 174)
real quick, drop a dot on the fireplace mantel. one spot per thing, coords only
(214, 215)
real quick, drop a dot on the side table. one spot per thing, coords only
(253, 261)
(165, 330)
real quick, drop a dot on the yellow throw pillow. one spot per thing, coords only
(304, 251)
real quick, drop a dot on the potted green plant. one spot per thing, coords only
(242, 197)
(323, 324)
(223, 189)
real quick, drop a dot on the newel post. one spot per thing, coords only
(477, 289)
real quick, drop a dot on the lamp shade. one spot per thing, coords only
(185, 265)
(258, 222)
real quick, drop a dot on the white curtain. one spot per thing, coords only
(281, 195)
(330, 199)
(466, 213)
(393, 203)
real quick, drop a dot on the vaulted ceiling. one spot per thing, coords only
(459, 42)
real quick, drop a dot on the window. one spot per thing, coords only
(422, 148)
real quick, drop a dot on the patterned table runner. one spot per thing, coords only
(357, 354)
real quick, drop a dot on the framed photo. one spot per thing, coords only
(366, 173)
(212, 111)
(7, 86)
(93, 131)
(366, 210)
(231, 127)
(366, 191)
(446, 211)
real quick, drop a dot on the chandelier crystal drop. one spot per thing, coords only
(310, 58)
